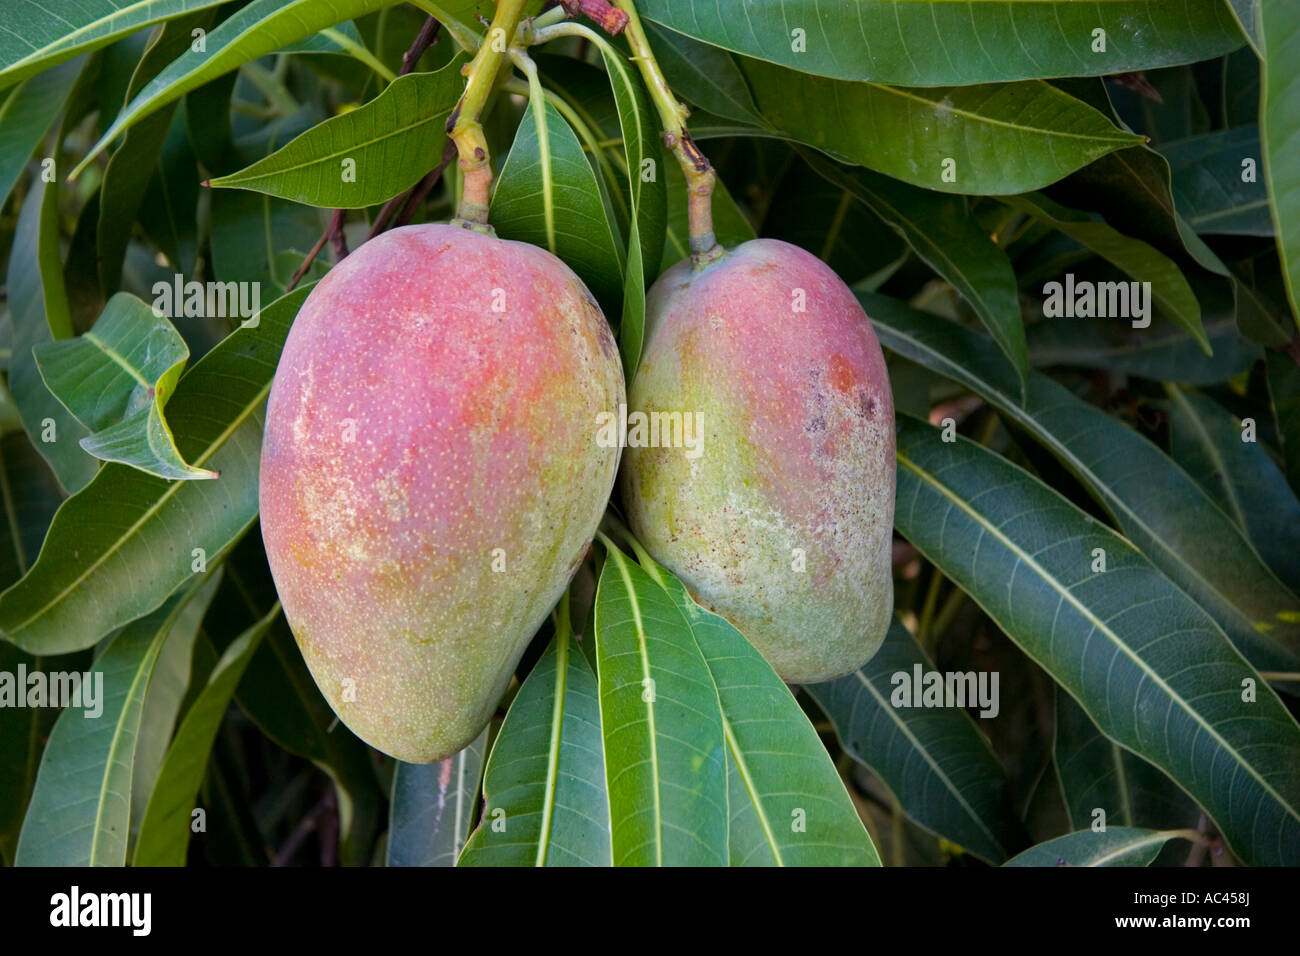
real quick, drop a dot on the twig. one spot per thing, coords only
(426, 38)
(333, 234)
(420, 191)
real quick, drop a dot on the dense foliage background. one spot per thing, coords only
(1103, 514)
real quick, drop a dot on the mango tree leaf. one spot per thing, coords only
(34, 40)
(130, 167)
(665, 752)
(367, 155)
(31, 495)
(992, 139)
(1163, 352)
(711, 74)
(1210, 444)
(167, 690)
(950, 42)
(1215, 188)
(261, 27)
(38, 303)
(80, 814)
(788, 804)
(1244, 11)
(169, 213)
(934, 760)
(1095, 773)
(432, 807)
(26, 113)
(941, 230)
(1115, 846)
(1284, 389)
(1170, 291)
(1157, 506)
(1278, 25)
(547, 194)
(648, 218)
(116, 379)
(165, 828)
(122, 544)
(544, 797)
(1151, 669)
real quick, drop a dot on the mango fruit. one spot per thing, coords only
(430, 477)
(778, 515)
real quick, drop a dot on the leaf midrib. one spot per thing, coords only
(1098, 624)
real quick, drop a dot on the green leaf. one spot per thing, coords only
(162, 704)
(34, 39)
(26, 113)
(544, 797)
(1278, 23)
(170, 210)
(1244, 11)
(942, 231)
(130, 167)
(950, 42)
(1284, 389)
(648, 218)
(935, 760)
(80, 814)
(1156, 505)
(30, 495)
(383, 147)
(116, 379)
(547, 194)
(432, 808)
(1151, 669)
(1210, 444)
(165, 829)
(711, 74)
(38, 303)
(1095, 773)
(1115, 846)
(261, 27)
(1163, 352)
(121, 545)
(1170, 291)
(788, 804)
(665, 753)
(1209, 185)
(995, 139)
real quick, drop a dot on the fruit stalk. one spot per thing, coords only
(464, 127)
(695, 165)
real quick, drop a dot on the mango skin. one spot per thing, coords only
(411, 430)
(798, 453)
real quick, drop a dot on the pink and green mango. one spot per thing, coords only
(781, 519)
(430, 475)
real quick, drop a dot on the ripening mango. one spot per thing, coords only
(430, 476)
(780, 518)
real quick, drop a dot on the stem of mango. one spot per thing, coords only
(464, 127)
(700, 177)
